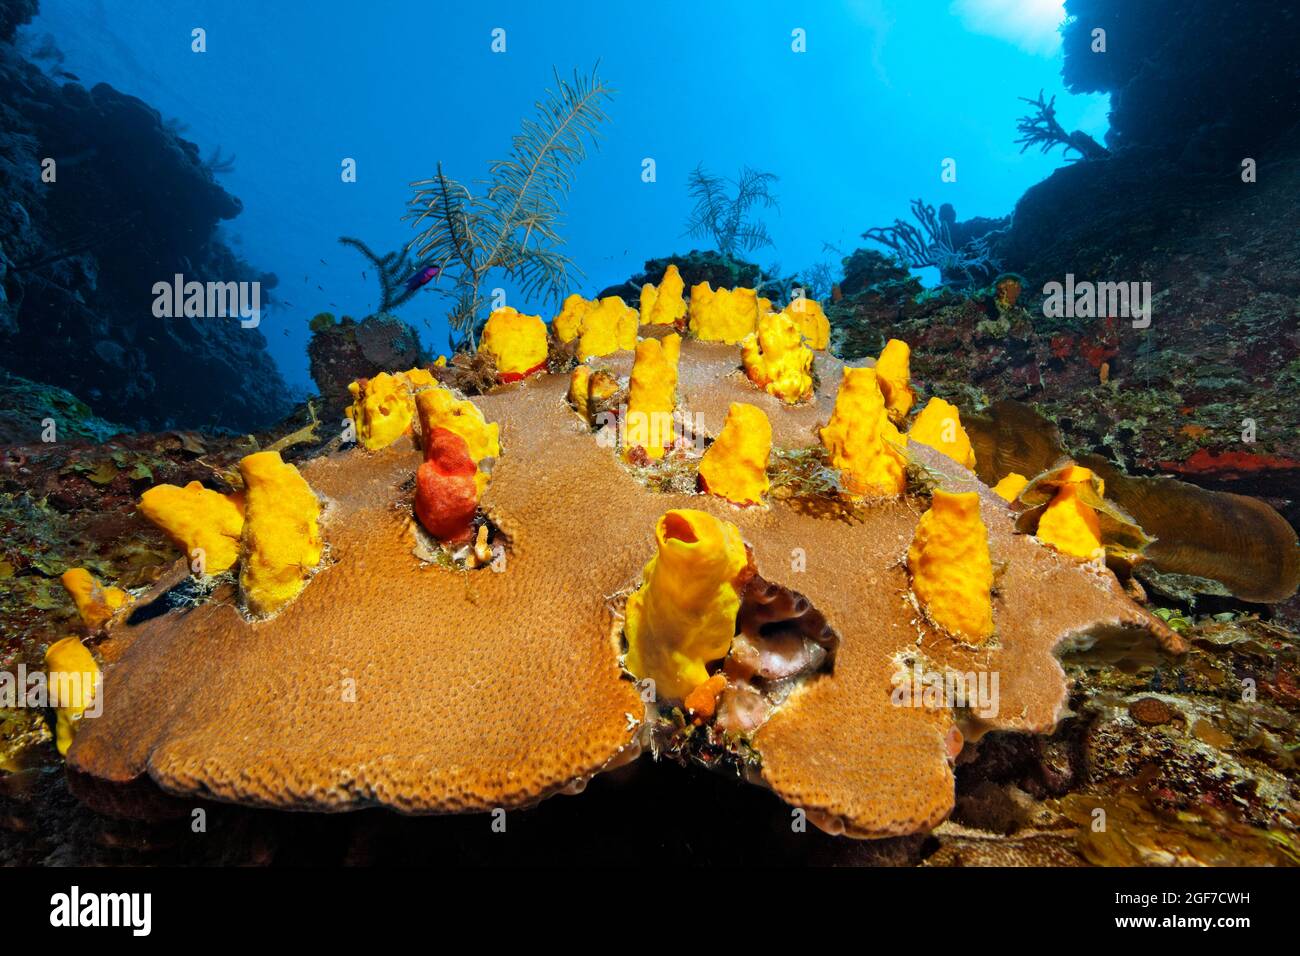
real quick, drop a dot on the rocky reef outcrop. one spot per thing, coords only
(127, 203)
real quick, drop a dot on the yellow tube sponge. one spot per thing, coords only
(727, 315)
(893, 369)
(952, 574)
(813, 324)
(776, 360)
(515, 342)
(73, 680)
(939, 426)
(282, 540)
(1069, 524)
(568, 324)
(684, 614)
(1010, 486)
(652, 396)
(609, 326)
(735, 465)
(664, 304)
(587, 389)
(439, 408)
(198, 519)
(855, 438)
(580, 390)
(95, 604)
(381, 409)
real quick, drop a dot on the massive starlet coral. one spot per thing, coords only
(388, 681)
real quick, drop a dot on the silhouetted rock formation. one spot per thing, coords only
(1203, 78)
(132, 204)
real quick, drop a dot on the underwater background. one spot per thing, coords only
(854, 130)
(929, 171)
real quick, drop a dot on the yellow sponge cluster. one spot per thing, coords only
(652, 396)
(383, 407)
(515, 342)
(735, 465)
(939, 426)
(203, 523)
(95, 604)
(1069, 524)
(440, 408)
(282, 540)
(664, 304)
(813, 324)
(776, 359)
(855, 436)
(952, 574)
(727, 315)
(684, 614)
(73, 679)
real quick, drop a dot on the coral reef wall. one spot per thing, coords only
(132, 204)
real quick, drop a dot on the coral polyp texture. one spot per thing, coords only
(390, 681)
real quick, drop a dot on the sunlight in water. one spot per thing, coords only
(1032, 25)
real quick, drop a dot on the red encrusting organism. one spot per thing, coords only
(446, 497)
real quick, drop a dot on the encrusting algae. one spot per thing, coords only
(684, 614)
(652, 396)
(203, 523)
(776, 359)
(735, 465)
(1068, 524)
(515, 342)
(939, 426)
(894, 373)
(855, 438)
(952, 573)
(664, 304)
(282, 540)
(73, 679)
(95, 604)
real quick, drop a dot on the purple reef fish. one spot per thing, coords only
(421, 277)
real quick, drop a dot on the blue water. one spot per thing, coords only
(855, 127)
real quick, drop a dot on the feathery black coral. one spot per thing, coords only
(513, 226)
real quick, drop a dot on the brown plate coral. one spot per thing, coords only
(393, 682)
